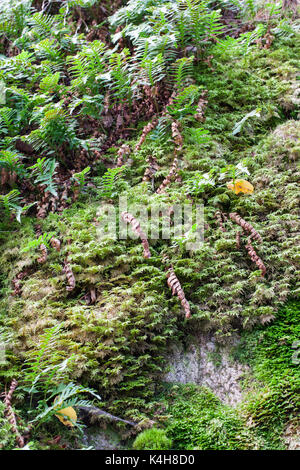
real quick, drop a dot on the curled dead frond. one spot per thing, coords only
(127, 217)
(151, 169)
(91, 296)
(202, 103)
(176, 289)
(16, 282)
(147, 129)
(55, 243)
(123, 151)
(17, 287)
(172, 175)
(10, 414)
(254, 257)
(245, 226)
(177, 137)
(70, 276)
(7, 177)
(43, 258)
(238, 238)
(45, 205)
(220, 218)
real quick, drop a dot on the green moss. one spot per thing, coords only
(273, 399)
(152, 439)
(198, 420)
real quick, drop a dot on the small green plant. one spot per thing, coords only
(49, 84)
(41, 240)
(10, 161)
(108, 182)
(239, 125)
(152, 439)
(185, 102)
(45, 378)
(43, 171)
(199, 136)
(80, 178)
(10, 203)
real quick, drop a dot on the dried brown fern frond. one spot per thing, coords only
(238, 238)
(70, 276)
(123, 151)
(127, 217)
(43, 258)
(202, 103)
(16, 282)
(220, 218)
(176, 289)
(177, 137)
(10, 414)
(254, 257)
(245, 226)
(147, 129)
(7, 177)
(172, 175)
(55, 243)
(151, 169)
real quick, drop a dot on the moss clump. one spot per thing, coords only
(199, 420)
(274, 396)
(152, 439)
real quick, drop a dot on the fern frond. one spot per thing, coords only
(181, 72)
(43, 171)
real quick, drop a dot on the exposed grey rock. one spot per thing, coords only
(292, 436)
(101, 439)
(206, 363)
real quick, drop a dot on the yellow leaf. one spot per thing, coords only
(65, 413)
(241, 186)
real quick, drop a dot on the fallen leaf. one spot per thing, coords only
(241, 186)
(65, 413)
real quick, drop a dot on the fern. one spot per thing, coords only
(8, 121)
(199, 136)
(14, 17)
(56, 129)
(185, 102)
(43, 370)
(251, 7)
(10, 160)
(181, 72)
(108, 182)
(42, 23)
(49, 83)
(161, 130)
(43, 171)
(11, 204)
(153, 70)
(48, 49)
(80, 178)
(88, 66)
(43, 239)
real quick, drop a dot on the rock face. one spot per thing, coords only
(206, 363)
(292, 436)
(102, 439)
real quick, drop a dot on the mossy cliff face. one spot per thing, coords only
(121, 340)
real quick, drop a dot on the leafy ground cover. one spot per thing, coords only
(164, 102)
